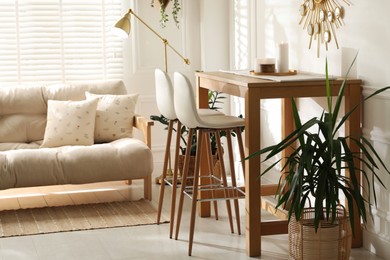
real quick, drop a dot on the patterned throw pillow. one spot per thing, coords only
(70, 123)
(114, 116)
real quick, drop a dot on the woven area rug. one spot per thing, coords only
(77, 217)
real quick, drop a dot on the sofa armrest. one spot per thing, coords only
(145, 126)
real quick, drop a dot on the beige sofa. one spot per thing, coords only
(25, 162)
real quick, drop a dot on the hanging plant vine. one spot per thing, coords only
(164, 18)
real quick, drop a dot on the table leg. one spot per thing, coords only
(204, 207)
(288, 125)
(252, 180)
(353, 128)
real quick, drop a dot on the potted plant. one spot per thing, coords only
(164, 16)
(314, 172)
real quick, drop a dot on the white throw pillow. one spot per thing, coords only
(114, 116)
(70, 123)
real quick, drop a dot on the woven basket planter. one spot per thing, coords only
(331, 242)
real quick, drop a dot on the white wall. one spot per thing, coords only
(215, 34)
(365, 31)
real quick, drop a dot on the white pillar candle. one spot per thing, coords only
(282, 59)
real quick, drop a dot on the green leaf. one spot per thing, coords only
(368, 144)
(341, 93)
(328, 91)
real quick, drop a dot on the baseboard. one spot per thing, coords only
(375, 244)
(268, 203)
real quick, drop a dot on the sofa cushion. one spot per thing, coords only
(114, 116)
(70, 123)
(76, 91)
(22, 100)
(15, 146)
(126, 158)
(22, 127)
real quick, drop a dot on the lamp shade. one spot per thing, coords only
(122, 27)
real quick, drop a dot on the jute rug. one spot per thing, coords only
(77, 217)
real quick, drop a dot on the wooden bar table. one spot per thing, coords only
(253, 90)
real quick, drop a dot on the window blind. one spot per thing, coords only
(59, 40)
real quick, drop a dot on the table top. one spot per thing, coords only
(250, 80)
(238, 85)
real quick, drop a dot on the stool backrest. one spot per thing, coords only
(164, 94)
(184, 100)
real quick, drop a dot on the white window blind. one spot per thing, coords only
(59, 41)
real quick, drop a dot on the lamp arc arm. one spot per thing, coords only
(165, 41)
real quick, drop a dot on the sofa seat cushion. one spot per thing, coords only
(16, 146)
(126, 158)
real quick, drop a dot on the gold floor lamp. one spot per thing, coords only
(122, 29)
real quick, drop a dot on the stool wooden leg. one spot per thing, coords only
(164, 170)
(211, 169)
(184, 181)
(174, 181)
(233, 176)
(241, 148)
(224, 180)
(195, 191)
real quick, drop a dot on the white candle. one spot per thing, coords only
(256, 65)
(282, 59)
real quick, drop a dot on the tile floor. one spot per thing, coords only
(212, 238)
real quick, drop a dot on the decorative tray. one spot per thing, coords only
(289, 73)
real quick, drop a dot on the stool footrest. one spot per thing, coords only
(218, 189)
(169, 180)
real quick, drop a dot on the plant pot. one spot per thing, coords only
(331, 241)
(164, 3)
(191, 167)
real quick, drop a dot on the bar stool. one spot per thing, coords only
(185, 108)
(164, 98)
